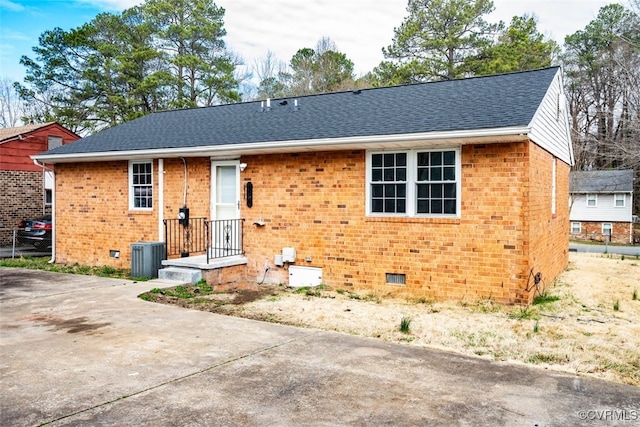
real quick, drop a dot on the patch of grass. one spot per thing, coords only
(523, 313)
(634, 297)
(43, 264)
(405, 325)
(537, 358)
(545, 298)
(486, 306)
(311, 291)
(616, 306)
(536, 327)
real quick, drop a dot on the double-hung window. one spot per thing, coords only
(576, 228)
(592, 200)
(619, 200)
(141, 185)
(414, 183)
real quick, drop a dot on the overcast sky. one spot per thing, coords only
(360, 28)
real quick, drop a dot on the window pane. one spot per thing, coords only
(423, 206)
(401, 174)
(450, 207)
(401, 159)
(389, 160)
(389, 191)
(436, 158)
(436, 191)
(389, 175)
(436, 174)
(449, 157)
(401, 208)
(436, 206)
(449, 174)
(423, 159)
(423, 174)
(423, 191)
(450, 191)
(390, 205)
(376, 160)
(376, 190)
(376, 205)
(400, 190)
(376, 175)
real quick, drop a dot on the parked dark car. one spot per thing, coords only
(37, 231)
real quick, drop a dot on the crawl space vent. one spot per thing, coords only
(396, 279)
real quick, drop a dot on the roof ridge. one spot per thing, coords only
(358, 90)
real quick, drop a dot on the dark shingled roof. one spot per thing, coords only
(605, 181)
(506, 100)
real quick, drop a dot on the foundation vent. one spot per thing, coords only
(396, 279)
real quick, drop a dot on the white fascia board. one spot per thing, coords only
(359, 142)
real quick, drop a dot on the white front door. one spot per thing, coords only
(225, 207)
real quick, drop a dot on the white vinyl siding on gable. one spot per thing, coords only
(605, 209)
(550, 125)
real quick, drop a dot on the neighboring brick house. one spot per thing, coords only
(25, 188)
(446, 190)
(601, 205)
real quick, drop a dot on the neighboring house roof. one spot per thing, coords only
(7, 134)
(490, 106)
(603, 181)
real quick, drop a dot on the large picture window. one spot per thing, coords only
(414, 183)
(141, 185)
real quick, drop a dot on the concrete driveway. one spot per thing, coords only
(84, 351)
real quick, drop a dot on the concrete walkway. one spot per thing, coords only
(84, 351)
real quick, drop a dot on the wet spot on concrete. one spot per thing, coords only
(72, 326)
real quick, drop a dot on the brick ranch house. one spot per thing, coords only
(446, 190)
(601, 205)
(26, 188)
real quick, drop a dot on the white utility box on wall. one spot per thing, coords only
(304, 276)
(289, 254)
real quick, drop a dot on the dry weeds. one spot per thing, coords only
(577, 329)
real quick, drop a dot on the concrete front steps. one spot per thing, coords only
(219, 271)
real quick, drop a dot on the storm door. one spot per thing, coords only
(225, 229)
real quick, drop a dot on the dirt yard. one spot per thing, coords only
(587, 323)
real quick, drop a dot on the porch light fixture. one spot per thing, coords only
(243, 166)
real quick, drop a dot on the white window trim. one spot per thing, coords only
(610, 227)
(624, 200)
(412, 167)
(579, 224)
(132, 206)
(595, 199)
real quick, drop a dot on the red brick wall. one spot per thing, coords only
(22, 198)
(315, 202)
(549, 245)
(93, 216)
(592, 231)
